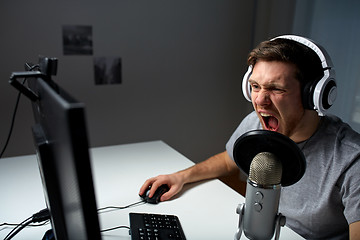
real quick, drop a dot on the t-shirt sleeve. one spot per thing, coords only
(350, 190)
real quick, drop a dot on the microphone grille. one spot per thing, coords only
(265, 169)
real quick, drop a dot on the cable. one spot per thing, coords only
(14, 113)
(114, 207)
(18, 228)
(114, 228)
(44, 215)
(16, 224)
(12, 123)
(41, 216)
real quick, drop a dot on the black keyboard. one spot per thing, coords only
(155, 226)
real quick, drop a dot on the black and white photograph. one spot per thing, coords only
(107, 70)
(77, 40)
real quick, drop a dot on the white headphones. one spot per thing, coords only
(324, 94)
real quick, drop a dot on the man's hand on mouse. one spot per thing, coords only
(174, 181)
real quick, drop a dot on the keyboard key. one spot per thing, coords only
(155, 226)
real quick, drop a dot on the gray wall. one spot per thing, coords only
(182, 61)
(182, 66)
(335, 25)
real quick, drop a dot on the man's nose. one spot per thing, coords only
(262, 98)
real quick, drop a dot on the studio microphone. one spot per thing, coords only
(262, 196)
(272, 161)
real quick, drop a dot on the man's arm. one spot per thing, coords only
(354, 231)
(216, 166)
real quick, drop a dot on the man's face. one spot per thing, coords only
(276, 97)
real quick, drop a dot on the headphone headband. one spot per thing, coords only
(319, 50)
(321, 95)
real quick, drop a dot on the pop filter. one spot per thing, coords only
(248, 145)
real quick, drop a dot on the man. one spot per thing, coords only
(284, 75)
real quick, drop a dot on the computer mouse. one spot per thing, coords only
(155, 199)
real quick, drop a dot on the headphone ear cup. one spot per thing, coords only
(307, 95)
(324, 95)
(329, 94)
(319, 95)
(246, 88)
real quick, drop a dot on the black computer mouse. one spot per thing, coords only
(156, 197)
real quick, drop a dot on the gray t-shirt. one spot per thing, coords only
(326, 199)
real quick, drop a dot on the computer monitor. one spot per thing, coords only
(61, 142)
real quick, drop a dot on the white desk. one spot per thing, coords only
(206, 210)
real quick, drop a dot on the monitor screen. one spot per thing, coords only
(61, 142)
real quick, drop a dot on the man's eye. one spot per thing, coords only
(255, 86)
(278, 90)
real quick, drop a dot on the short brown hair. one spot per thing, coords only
(307, 62)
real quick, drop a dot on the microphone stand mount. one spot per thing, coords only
(279, 222)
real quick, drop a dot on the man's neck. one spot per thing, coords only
(308, 127)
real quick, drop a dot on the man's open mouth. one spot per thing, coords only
(271, 123)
